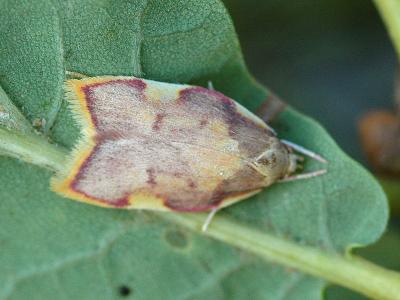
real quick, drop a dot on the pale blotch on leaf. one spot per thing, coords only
(39, 123)
(176, 238)
(5, 117)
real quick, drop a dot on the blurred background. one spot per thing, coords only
(333, 61)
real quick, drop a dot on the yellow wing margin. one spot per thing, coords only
(61, 182)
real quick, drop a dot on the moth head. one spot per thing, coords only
(279, 161)
(275, 162)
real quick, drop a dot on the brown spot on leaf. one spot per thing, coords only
(39, 123)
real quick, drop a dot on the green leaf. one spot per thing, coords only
(53, 246)
(31, 58)
(10, 117)
(385, 252)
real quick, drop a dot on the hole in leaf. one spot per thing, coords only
(124, 291)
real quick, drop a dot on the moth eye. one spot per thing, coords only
(272, 163)
(268, 158)
(264, 161)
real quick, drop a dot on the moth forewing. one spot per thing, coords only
(152, 145)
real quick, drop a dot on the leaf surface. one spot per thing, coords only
(74, 250)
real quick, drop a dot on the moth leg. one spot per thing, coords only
(76, 74)
(304, 151)
(209, 219)
(303, 176)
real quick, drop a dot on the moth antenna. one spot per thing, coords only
(75, 74)
(210, 85)
(272, 130)
(209, 219)
(305, 151)
(303, 176)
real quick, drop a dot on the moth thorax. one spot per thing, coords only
(275, 162)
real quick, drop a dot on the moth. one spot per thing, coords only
(161, 146)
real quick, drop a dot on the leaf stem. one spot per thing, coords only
(351, 272)
(390, 13)
(32, 148)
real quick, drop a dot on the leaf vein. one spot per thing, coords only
(137, 57)
(288, 288)
(181, 32)
(102, 248)
(56, 103)
(324, 225)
